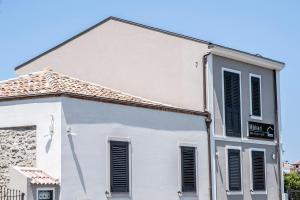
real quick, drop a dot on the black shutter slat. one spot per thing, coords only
(234, 170)
(232, 104)
(255, 98)
(188, 169)
(258, 170)
(119, 166)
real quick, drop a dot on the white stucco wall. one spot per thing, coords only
(37, 112)
(154, 138)
(19, 182)
(135, 60)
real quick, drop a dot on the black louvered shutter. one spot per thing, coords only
(234, 170)
(188, 169)
(258, 170)
(255, 91)
(119, 166)
(232, 104)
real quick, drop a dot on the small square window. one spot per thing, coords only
(45, 194)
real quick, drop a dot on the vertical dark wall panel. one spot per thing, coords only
(255, 98)
(234, 169)
(258, 170)
(119, 166)
(232, 104)
(188, 169)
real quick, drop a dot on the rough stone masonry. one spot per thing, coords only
(17, 148)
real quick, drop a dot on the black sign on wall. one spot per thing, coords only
(261, 130)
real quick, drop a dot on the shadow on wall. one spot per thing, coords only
(80, 174)
(219, 170)
(90, 112)
(48, 144)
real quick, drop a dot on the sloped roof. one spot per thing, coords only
(38, 177)
(49, 83)
(146, 27)
(296, 163)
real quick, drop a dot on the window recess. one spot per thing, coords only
(255, 96)
(119, 167)
(188, 169)
(258, 171)
(232, 104)
(234, 170)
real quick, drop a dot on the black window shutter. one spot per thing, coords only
(255, 98)
(188, 169)
(234, 170)
(258, 170)
(232, 104)
(119, 166)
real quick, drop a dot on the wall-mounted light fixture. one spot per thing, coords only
(69, 131)
(179, 193)
(51, 126)
(107, 194)
(273, 156)
(217, 154)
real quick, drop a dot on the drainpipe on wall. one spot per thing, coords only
(205, 70)
(204, 62)
(278, 145)
(208, 122)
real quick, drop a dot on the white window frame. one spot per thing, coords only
(223, 100)
(251, 174)
(187, 144)
(117, 194)
(227, 170)
(250, 92)
(43, 189)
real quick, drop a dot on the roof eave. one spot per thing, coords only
(246, 57)
(108, 100)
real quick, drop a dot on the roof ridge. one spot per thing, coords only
(52, 81)
(179, 35)
(48, 82)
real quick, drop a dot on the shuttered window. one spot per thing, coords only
(119, 166)
(188, 169)
(232, 104)
(255, 96)
(234, 170)
(258, 171)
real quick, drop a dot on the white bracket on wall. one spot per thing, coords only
(51, 127)
(69, 131)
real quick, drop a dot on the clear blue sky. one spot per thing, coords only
(270, 28)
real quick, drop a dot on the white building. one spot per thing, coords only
(76, 124)
(185, 118)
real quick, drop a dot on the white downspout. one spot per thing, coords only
(210, 109)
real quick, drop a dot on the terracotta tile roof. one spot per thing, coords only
(49, 83)
(38, 177)
(296, 163)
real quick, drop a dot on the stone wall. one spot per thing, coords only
(17, 148)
